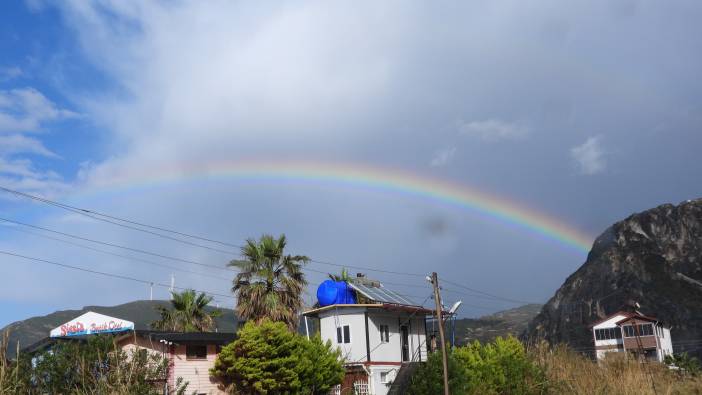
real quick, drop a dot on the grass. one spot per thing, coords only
(571, 373)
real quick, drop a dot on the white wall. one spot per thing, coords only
(379, 387)
(666, 343)
(391, 351)
(353, 317)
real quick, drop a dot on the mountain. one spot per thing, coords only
(141, 312)
(503, 323)
(653, 258)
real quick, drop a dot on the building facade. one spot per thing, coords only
(190, 356)
(634, 333)
(378, 337)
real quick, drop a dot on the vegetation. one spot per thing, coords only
(187, 313)
(270, 283)
(343, 276)
(502, 367)
(267, 358)
(685, 364)
(506, 367)
(96, 366)
(569, 372)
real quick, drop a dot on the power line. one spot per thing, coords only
(129, 258)
(487, 294)
(114, 245)
(102, 217)
(66, 266)
(112, 220)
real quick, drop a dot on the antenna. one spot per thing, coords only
(455, 307)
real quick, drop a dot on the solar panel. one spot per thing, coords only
(380, 294)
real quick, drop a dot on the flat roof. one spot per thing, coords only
(383, 306)
(199, 338)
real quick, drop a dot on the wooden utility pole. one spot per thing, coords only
(439, 313)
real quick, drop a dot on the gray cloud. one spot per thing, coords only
(443, 156)
(382, 84)
(590, 156)
(493, 130)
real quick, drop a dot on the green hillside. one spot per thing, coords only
(141, 312)
(503, 323)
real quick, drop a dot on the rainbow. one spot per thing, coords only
(486, 205)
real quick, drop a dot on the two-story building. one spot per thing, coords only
(378, 331)
(645, 337)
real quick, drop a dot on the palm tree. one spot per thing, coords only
(187, 313)
(344, 276)
(269, 284)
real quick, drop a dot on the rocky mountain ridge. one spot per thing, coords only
(653, 258)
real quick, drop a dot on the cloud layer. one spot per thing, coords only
(377, 84)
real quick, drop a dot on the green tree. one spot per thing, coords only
(270, 283)
(269, 359)
(501, 367)
(429, 378)
(188, 313)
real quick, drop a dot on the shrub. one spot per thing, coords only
(269, 359)
(96, 366)
(429, 378)
(502, 367)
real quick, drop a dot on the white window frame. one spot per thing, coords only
(341, 332)
(384, 333)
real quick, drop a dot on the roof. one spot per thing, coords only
(217, 338)
(639, 317)
(627, 316)
(378, 293)
(199, 338)
(383, 306)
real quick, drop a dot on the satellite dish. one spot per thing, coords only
(455, 307)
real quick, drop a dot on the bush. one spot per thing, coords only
(270, 359)
(502, 367)
(429, 378)
(96, 366)
(686, 364)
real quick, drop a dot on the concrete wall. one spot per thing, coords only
(329, 320)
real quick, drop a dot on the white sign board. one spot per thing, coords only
(92, 323)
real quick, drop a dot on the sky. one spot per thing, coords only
(575, 115)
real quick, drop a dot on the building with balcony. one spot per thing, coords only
(632, 332)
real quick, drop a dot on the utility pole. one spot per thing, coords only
(172, 282)
(439, 312)
(151, 291)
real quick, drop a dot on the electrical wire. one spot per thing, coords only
(113, 245)
(119, 276)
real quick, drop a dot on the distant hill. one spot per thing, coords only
(653, 258)
(503, 323)
(141, 312)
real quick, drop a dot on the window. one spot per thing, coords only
(640, 330)
(195, 352)
(384, 377)
(343, 334)
(384, 333)
(608, 334)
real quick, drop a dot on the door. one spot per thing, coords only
(404, 343)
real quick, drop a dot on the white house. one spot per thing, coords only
(378, 335)
(632, 332)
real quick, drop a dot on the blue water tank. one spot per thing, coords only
(335, 292)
